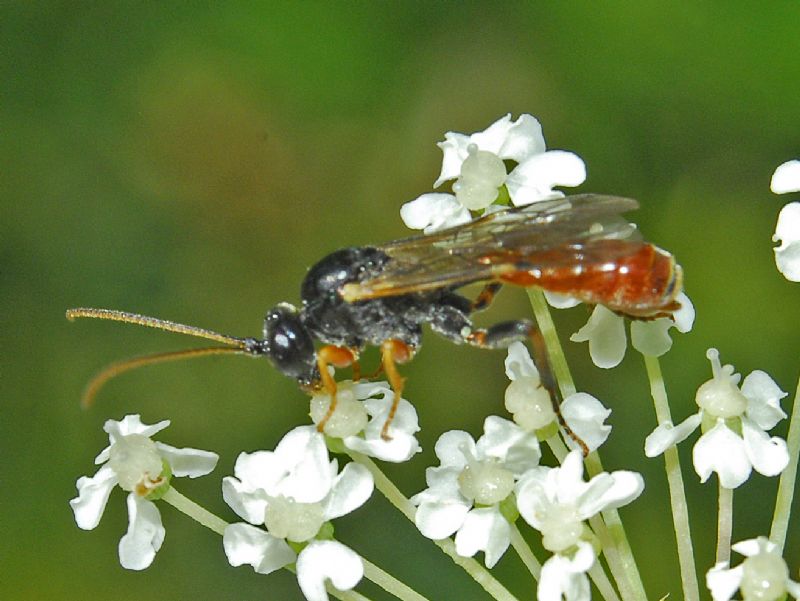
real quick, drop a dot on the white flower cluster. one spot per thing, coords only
(734, 421)
(288, 497)
(787, 256)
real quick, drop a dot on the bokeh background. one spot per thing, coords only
(191, 160)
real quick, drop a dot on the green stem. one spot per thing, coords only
(525, 553)
(389, 583)
(194, 511)
(476, 571)
(677, 492)
(621, 561)
(724, 524)
(601, 581)
(547, 327)
(783, 502)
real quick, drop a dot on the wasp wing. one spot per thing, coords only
(501, 242)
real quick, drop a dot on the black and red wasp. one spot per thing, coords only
(383, 295)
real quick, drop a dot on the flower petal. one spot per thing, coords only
(721, 450)
(786, 178)
(246, 544)
(438, 520)
(454, 150)
(249, 504)
(187, 461)
(787, 255)
(92, 497)
(519, 363)
(327, 560)
(565, 578)
(535, 495)
(560, 301)
(684, 317)
(769, 456)
(434, 211)
(605, 332)
(130, 424)
(503, 440)
(667, 435)
(307, 476)
(651, 338)
(138, 547)
(535, 178)
(403, 444)
(585, 415)
(764, 399)
(754, 546)
(453, 448)
(609, 491)
(351, 489)
(722, 582)
(518, 141)
(484, 529)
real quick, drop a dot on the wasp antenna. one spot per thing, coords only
(152, 322)
(120, 367)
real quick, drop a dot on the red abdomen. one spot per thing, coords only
(635, 278)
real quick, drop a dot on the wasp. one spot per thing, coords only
(382, 296)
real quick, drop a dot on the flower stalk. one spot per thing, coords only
(786, 485)
(724, 524)
(677, 492)
(199, 514)
(621, 562)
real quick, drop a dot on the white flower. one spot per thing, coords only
(735, 421)
(476, 163)
(532, 409)
(465, 492)
(361, 412)
(557, 501)
(294, 492)
(142, 467)
(787, 256)
(763, 576)
(605, 332)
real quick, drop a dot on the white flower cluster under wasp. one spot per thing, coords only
(483, 489)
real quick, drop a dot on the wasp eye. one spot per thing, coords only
(288, 342)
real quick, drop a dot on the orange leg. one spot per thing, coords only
(393, 352)
(338, 357)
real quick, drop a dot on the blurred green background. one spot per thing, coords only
(191, 160)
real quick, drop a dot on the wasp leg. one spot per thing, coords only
(337, 356)
(486, 296)
(392, 352)
(455, 325)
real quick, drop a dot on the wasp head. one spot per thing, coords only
(288, 344)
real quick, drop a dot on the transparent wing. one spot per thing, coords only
(552, 233)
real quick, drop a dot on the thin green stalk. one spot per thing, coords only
(601, 581)
(194, 511)
(548, 329)
(724, 524)
(389, 583)
(677, 492)
(783, 502)
(525, 553)
(622, 563)
(476, 571)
